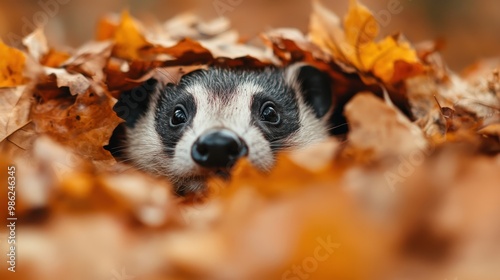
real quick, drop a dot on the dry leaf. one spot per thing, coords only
(90, 60)
(18, 144)
(380, 129)
(36, 43)
(77, 83)
(15, 104)
(84, 124)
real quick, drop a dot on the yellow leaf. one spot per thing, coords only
(128, 38)
(359, 24)
(325, 30)
(12, 63)
(380, 57)
(354, 45)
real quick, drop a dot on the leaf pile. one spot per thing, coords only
(408, 189)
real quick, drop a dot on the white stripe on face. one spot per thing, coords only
(234, 113)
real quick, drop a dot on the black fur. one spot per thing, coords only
(169, 98)
(287, 106)
(316, 88)
(134, 103)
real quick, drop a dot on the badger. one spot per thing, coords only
(201, 126)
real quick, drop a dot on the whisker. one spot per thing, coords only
(337, 126)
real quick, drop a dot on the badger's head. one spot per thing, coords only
(212, 118)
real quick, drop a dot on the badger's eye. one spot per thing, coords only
(269, 113)
(179, 116)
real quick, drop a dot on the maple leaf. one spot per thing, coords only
(354, 45)
(12, 63)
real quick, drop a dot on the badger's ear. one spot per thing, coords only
(314, 86)
(132, 104)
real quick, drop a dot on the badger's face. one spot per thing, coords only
(212, 118)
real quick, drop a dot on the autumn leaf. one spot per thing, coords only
(127, 37)
(54, 58)
(85, 124)
(381, 130)
(77, 83)
(12, 63)
(15, 106)
(354, 45)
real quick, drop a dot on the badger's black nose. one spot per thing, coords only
(218, 148)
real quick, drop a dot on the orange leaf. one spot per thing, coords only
(128, 38)
(12, 63)
(54, 58)
(106, 28)
(85, 123)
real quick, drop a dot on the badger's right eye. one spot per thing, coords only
(179, 117)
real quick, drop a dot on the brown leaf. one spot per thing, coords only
(380, 129)
(84, 124)
(15, 104)
(19, 143)
(169, 75)
(77, 83)
(90, 60)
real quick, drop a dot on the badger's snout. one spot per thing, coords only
(218, 148)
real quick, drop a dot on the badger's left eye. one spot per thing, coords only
(269, 113)
(179, 117)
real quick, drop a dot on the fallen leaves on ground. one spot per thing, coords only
(410, 190)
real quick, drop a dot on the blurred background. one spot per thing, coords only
(470, 28)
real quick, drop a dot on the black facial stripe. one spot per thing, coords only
(287, 107)
(315, 89)
(169, 98)
(134, 103)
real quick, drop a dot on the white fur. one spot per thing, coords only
(145, 146)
